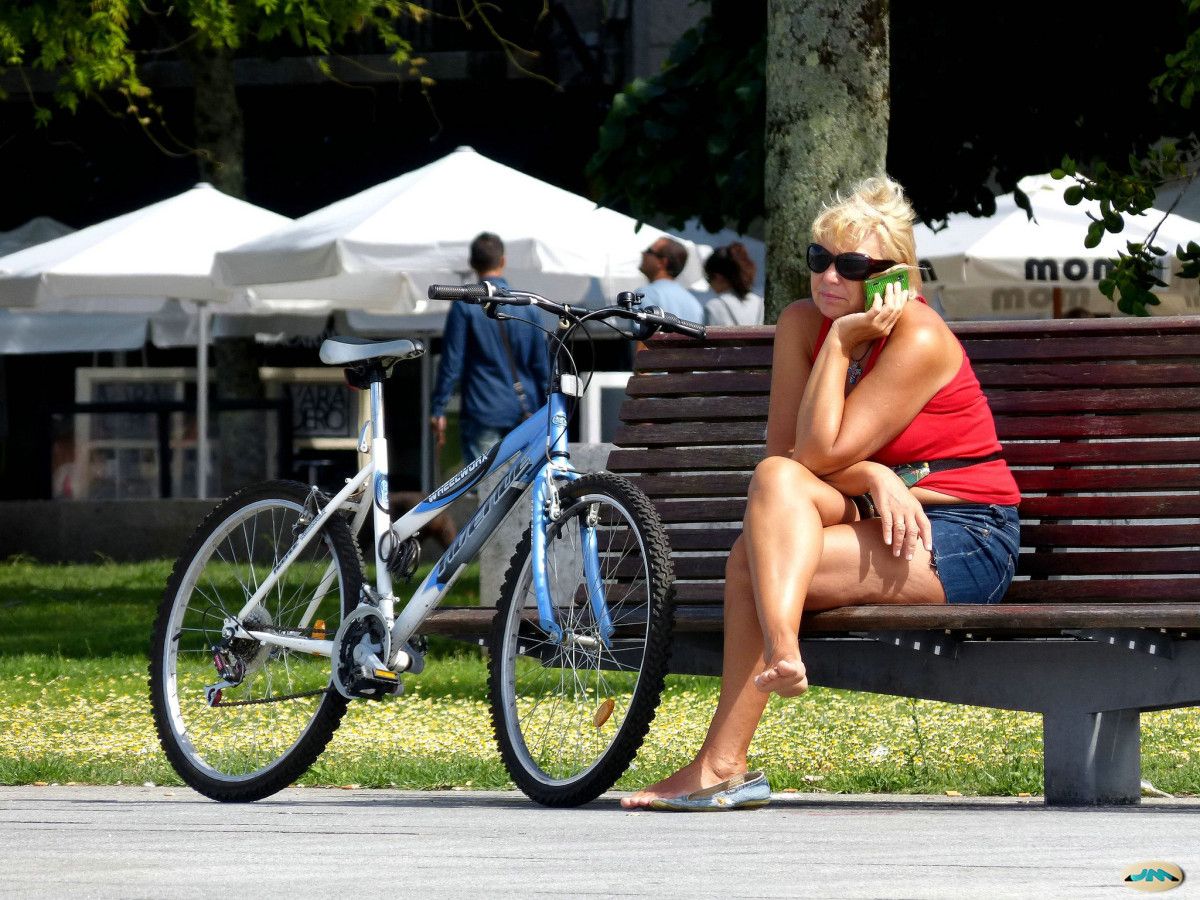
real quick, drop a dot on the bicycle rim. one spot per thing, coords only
(266, 729)
(571, 714)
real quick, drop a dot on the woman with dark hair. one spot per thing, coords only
(730, 272)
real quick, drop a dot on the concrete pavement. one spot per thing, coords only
(134, 842)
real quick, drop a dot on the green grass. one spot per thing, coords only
(74, 708)
(108, 609)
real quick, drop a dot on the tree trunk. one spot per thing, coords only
(220, 138)
(828, 100)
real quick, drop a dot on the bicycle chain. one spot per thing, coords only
(262, 700)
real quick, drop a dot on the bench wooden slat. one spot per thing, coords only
(1157, 535)
(699, 383)
(1094, 400)
(688, 358)
(685, 458)
(1120, 507)
(1161, 478)
(1041, 328)
(1071, 375)
(1015, 617)
(1119, 562)
(704, 409)
(1025, 591)
(678, 434)
(1064, 348)
(1104, 590)
(724, 484)
(1101, 452)
(1175, 424)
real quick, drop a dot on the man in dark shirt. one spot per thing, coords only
(474, 358)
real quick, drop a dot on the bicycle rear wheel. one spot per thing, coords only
(570, 715)
(269, 727)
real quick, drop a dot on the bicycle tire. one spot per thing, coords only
(257, 741)
(611, 695)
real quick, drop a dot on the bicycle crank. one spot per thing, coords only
(362, 645)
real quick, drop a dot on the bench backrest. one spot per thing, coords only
(1099, 418)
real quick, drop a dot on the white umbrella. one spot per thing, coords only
(384, 246)
(137, 263)
(23, 331)
(1007, 267)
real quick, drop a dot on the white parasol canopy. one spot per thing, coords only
(138, 263)
(1008, 267)
(384, 246)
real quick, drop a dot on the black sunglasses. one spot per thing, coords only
(854, 266)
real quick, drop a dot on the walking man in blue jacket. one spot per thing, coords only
(500, 367)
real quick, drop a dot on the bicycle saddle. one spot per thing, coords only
(341, 351)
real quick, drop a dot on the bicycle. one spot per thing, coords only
(267, 628)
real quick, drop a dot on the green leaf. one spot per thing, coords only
(1073, 195)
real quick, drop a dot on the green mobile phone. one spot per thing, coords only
(875, 287)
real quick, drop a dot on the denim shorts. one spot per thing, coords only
(975, 548)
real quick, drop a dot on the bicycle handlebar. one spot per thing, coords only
(682, 326)
(472, 293)
(650, 318)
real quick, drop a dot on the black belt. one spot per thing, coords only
(911, 473)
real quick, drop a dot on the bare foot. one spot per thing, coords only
(786, 677)
(692, 777)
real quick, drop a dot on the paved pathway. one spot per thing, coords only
(159, 842)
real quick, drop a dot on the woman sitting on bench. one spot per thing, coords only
(882, 483)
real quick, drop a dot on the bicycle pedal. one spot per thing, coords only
(375, 684)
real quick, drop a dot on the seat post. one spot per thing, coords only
(377, 430)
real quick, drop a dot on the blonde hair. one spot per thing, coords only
(878, 206)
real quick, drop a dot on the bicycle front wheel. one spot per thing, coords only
(266, 728)
(570, 713)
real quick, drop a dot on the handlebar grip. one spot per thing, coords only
(472, 293)
(683, 326)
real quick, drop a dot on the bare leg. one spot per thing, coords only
(854, 566)
(787, 511)
(741, 704)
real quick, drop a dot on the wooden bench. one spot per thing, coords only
(1100, 419)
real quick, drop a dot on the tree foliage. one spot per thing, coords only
(688, 142)
(99, 46)
(1132, 189)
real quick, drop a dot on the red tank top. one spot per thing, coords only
(956, 422)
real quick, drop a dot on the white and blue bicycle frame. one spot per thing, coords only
(532, 454)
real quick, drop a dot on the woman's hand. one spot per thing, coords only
(876, 322)
(903, 518)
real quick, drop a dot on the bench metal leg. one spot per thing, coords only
(1092, 758)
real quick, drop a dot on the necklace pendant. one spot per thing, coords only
(855, 371)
